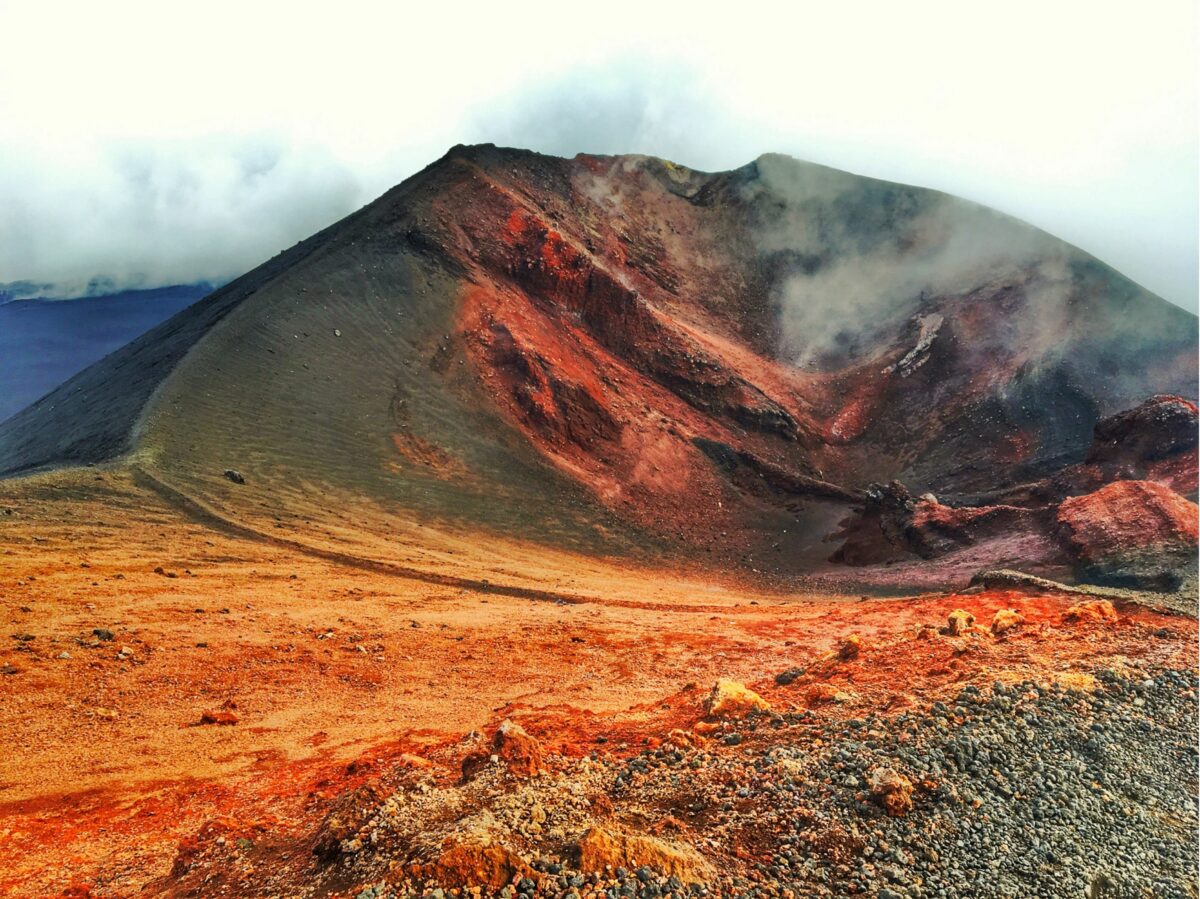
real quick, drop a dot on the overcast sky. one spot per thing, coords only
(156, 142)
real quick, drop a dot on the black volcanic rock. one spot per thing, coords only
(1162, 426)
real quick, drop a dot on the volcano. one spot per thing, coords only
(626, 356)
(594, 528)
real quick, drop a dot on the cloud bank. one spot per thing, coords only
(149, 214)
(160, 146)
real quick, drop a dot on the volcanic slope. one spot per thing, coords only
(620, 356)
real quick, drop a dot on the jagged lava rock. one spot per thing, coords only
(511, 745)
(892, 790)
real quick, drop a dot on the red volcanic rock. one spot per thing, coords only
(1135, 533)
(1124, 516)
(1101, 610)
(891, 790)
(218, 716)
(517, 749)
(892, 524)
(478, 860)
(520, 753)
(937, 528)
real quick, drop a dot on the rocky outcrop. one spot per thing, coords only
(1119, 518)
(478, 860)
(1130, 533)
(1154, 441)
(892, 525)
(511, 746)
(604, 849)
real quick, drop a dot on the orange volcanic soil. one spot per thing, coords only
(329, 674)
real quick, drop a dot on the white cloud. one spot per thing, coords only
(127, 129)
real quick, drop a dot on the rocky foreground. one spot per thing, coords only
(1078, 783)
(193, 713)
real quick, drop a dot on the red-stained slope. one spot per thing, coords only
(620, 354)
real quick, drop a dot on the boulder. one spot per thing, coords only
(477, 860)
(517, 749)
(892, 790)
(730, 699)
(1006, 620)
(606, 848)
(1100, 610)
(958, 622)
(1130, 533)
(512, 746)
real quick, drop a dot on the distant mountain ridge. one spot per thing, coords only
(45, 339)
(94, 288)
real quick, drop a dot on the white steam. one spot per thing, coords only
(864, 255)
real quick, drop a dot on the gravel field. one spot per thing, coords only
(1018, 790)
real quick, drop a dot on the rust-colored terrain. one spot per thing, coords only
(601, 527)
